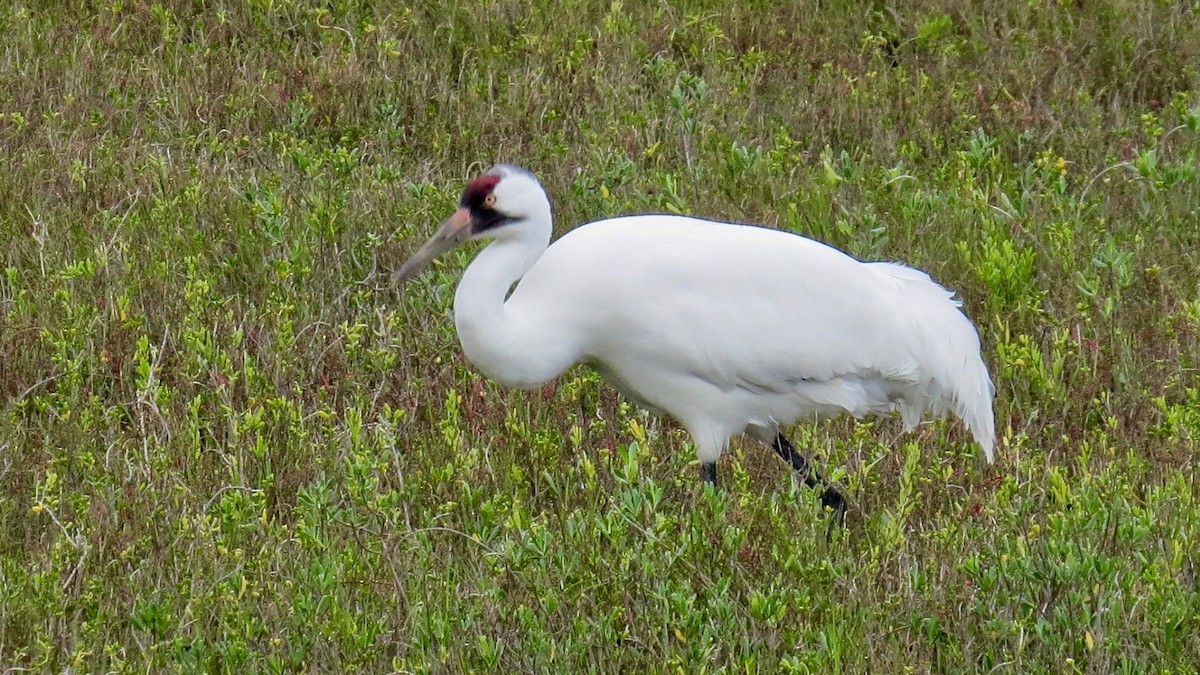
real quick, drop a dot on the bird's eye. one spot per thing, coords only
(490, 200)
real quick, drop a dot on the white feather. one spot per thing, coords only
(727, 328)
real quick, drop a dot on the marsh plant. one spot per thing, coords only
(227, 443)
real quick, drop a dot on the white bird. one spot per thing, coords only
(726, 328)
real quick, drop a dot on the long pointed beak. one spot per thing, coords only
(454, 230)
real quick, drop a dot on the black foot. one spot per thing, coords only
(831, 497)
(708, 473)
(835, 501)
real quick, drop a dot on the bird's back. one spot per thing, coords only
(769, 318)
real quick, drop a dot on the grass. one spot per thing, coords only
(228, 444)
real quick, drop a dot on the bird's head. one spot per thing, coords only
(504, 203)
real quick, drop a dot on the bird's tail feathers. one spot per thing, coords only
(954, 375)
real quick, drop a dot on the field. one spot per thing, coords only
(229, 443)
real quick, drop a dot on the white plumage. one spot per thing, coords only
(726, 328)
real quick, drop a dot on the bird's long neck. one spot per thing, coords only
(479, 300)
(509, 345)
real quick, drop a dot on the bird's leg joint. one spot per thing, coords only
(831, 497)
(785, 449)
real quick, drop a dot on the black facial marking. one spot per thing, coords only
(475, 200)
(484, 219)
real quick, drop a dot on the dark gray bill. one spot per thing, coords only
(454, 230)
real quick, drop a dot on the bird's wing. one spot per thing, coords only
(654, 298)
(737, 306)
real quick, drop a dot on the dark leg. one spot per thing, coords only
(708, 473)
(831, 496)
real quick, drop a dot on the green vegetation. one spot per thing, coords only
(228, 444)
